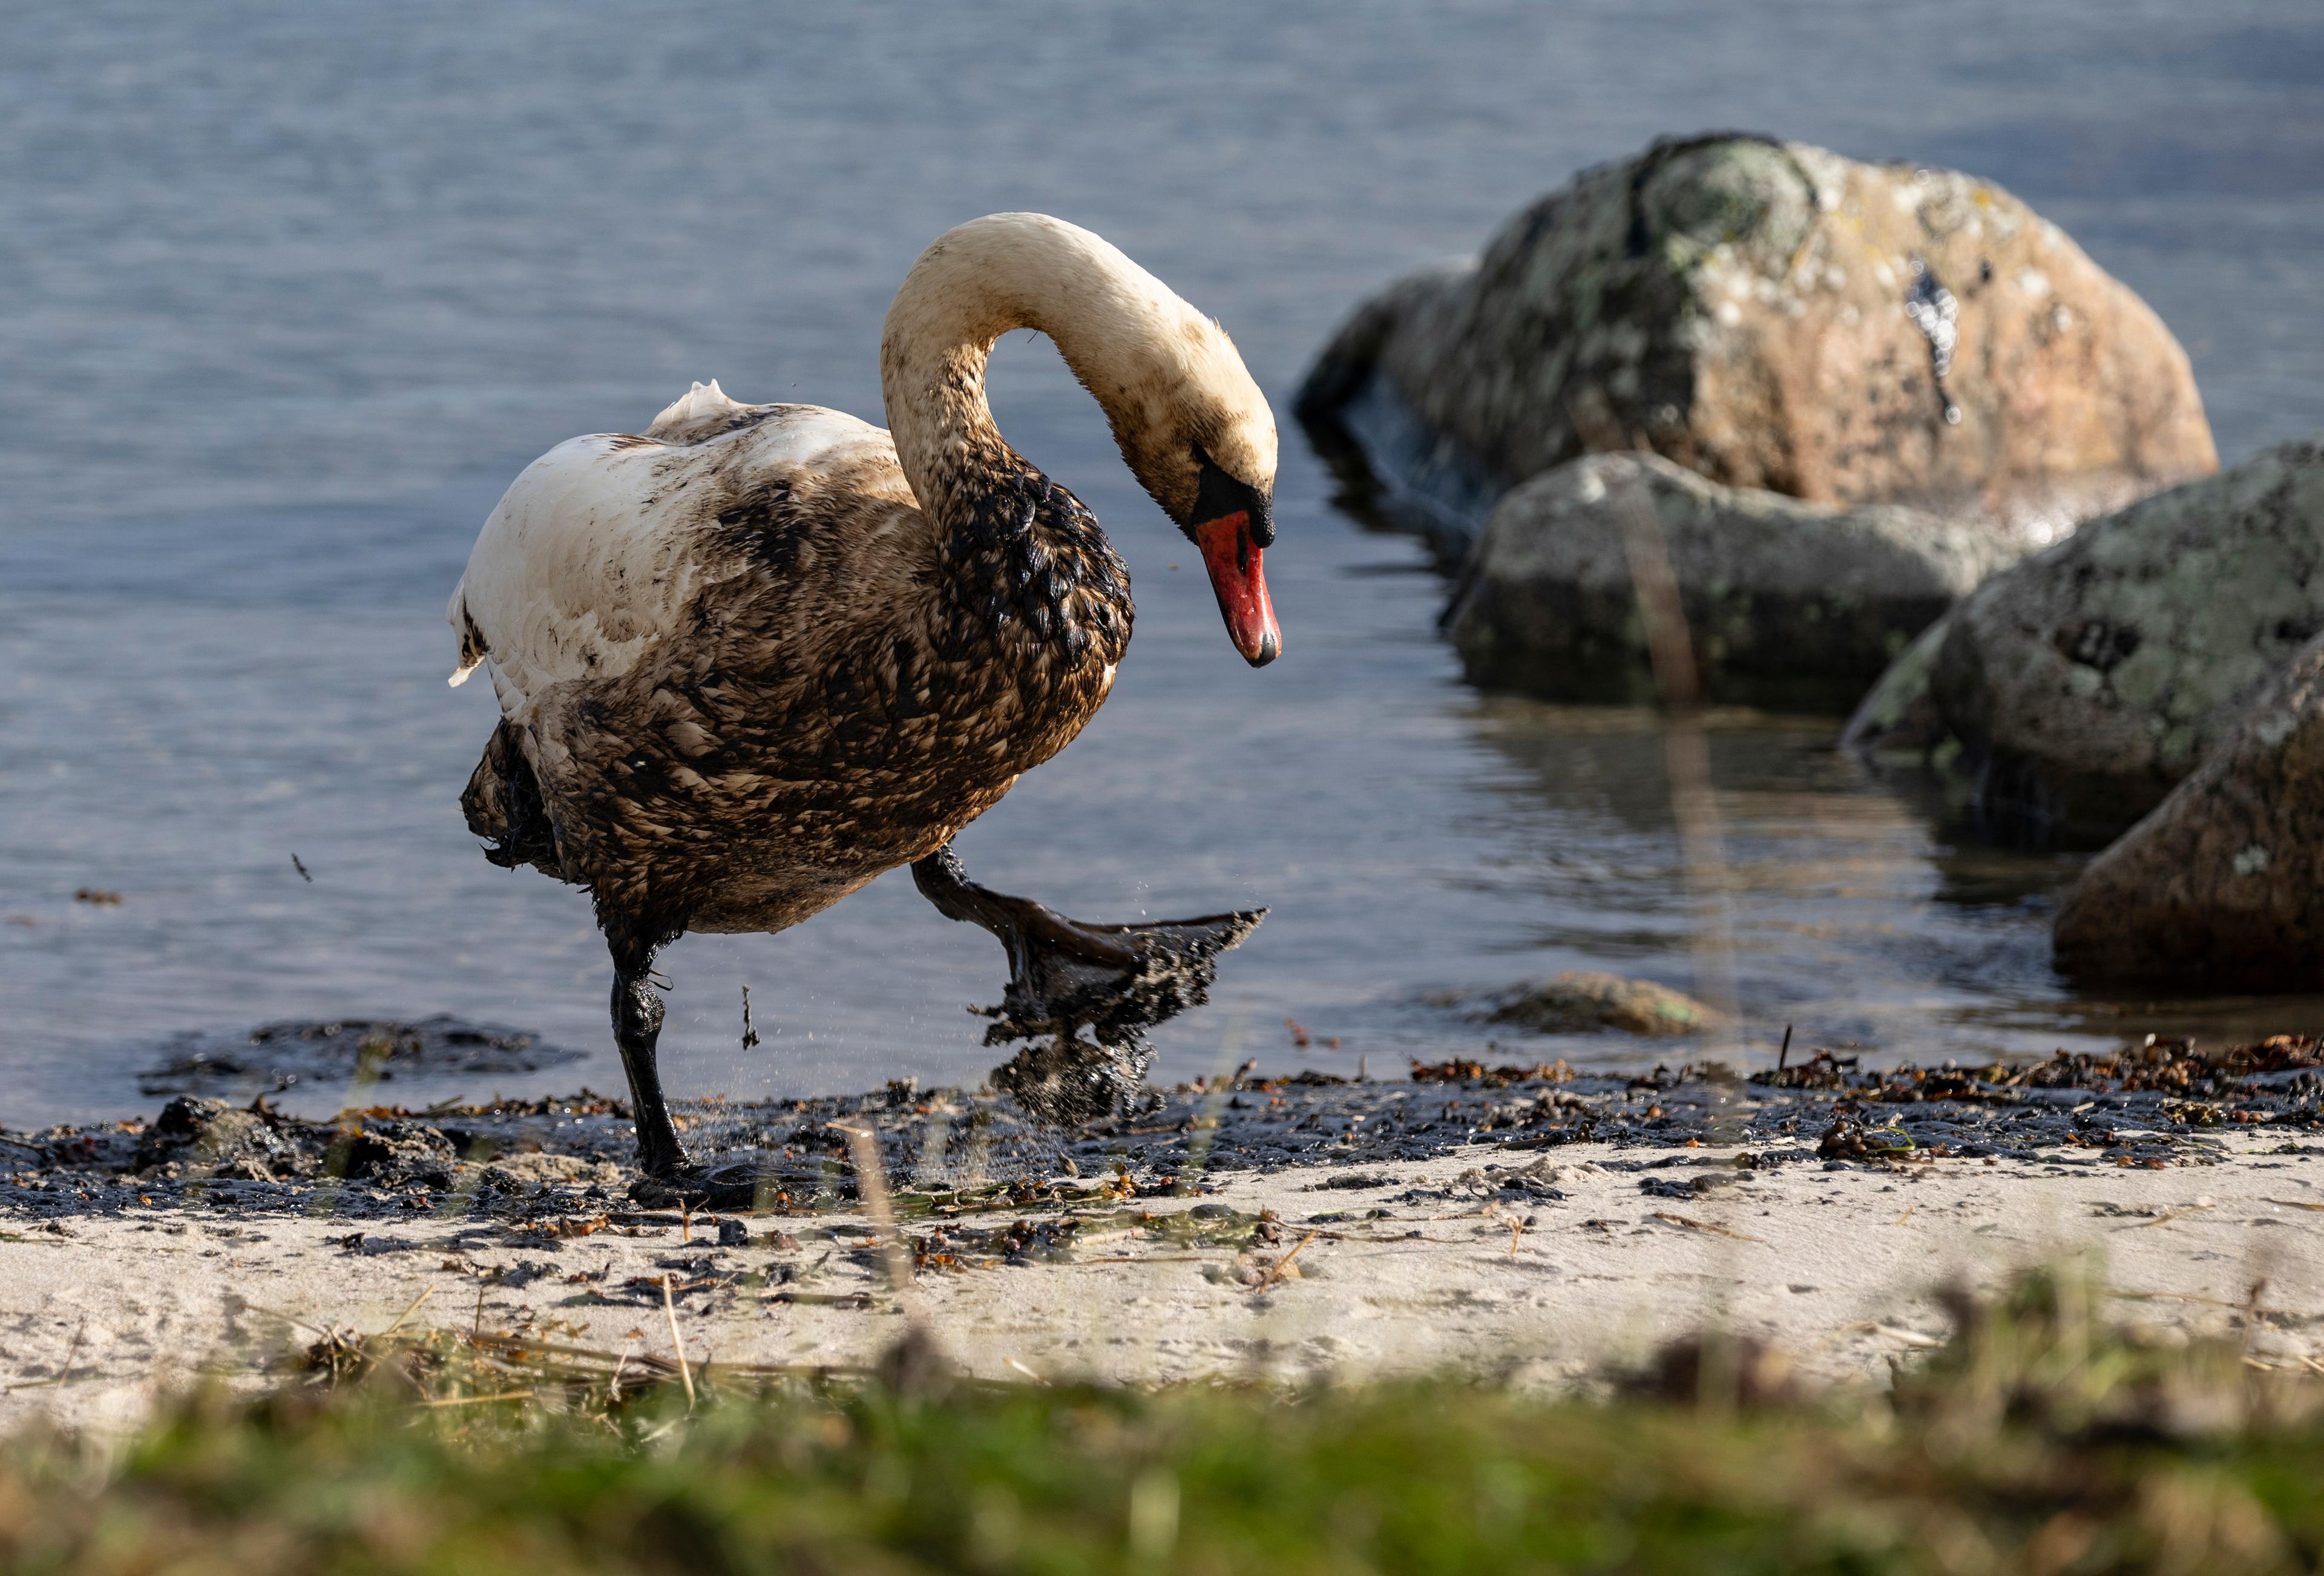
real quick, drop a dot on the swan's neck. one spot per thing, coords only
(1113, 322)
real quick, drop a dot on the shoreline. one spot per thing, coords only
(1521, 1223)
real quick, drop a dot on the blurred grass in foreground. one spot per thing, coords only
(2033, 1441)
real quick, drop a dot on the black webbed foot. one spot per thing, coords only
(1116, 981)
(699, 1188)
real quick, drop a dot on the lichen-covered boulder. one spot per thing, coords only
(1785, 600)
(1771, 315)
(2086, 682)
(2222, 887)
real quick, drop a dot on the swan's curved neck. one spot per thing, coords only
(1113, 322)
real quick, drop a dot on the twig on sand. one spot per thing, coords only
(677, 1344)
(872, 1183)
(425, 1293)
(2166, 1220)
(1276, 1271)
(1700, 1226)
(2292, 1203)
(286, 1318)
(72, 1355)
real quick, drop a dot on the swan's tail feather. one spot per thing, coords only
(472, 650)
(704, 405)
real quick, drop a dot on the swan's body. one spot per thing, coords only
(756, 655)
(748, 673)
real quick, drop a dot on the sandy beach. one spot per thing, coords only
(1555, 1269)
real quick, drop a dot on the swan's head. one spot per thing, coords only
(1200, 440)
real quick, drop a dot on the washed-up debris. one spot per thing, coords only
(1023, 1241)
(278, 1056)
(963, 1160)
(1460, 1070)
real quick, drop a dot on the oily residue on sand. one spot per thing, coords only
(953, 1150)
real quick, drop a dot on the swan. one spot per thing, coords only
(754, 656)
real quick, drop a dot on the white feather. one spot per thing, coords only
(592, 558)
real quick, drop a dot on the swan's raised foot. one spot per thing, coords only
(1117, 981)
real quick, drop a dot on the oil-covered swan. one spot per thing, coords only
(756, 655)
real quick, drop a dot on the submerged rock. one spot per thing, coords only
(1768, 315)
(1578, 1001)
(1803, 600)
(2222, 887)
(2083, 684)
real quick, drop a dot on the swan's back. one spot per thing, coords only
(602, 548)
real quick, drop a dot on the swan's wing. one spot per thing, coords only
(596, 552)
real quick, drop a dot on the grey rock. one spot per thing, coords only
(2082, 685)
(1785, 600)
(2221, 888)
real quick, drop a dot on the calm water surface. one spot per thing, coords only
(293, 290)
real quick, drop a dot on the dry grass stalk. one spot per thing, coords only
(676, 1341)
(1678, 676)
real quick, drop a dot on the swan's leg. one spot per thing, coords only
(637, 1029)
(1116, 980)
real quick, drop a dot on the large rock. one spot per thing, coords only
(1770, 314)
(2082, 685)
(2221, 888)
(1785, 600)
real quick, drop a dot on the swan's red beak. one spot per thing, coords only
(1233, 560)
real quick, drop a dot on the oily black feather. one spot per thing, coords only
(502, 804)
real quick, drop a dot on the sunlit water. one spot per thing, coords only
(292, 290)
